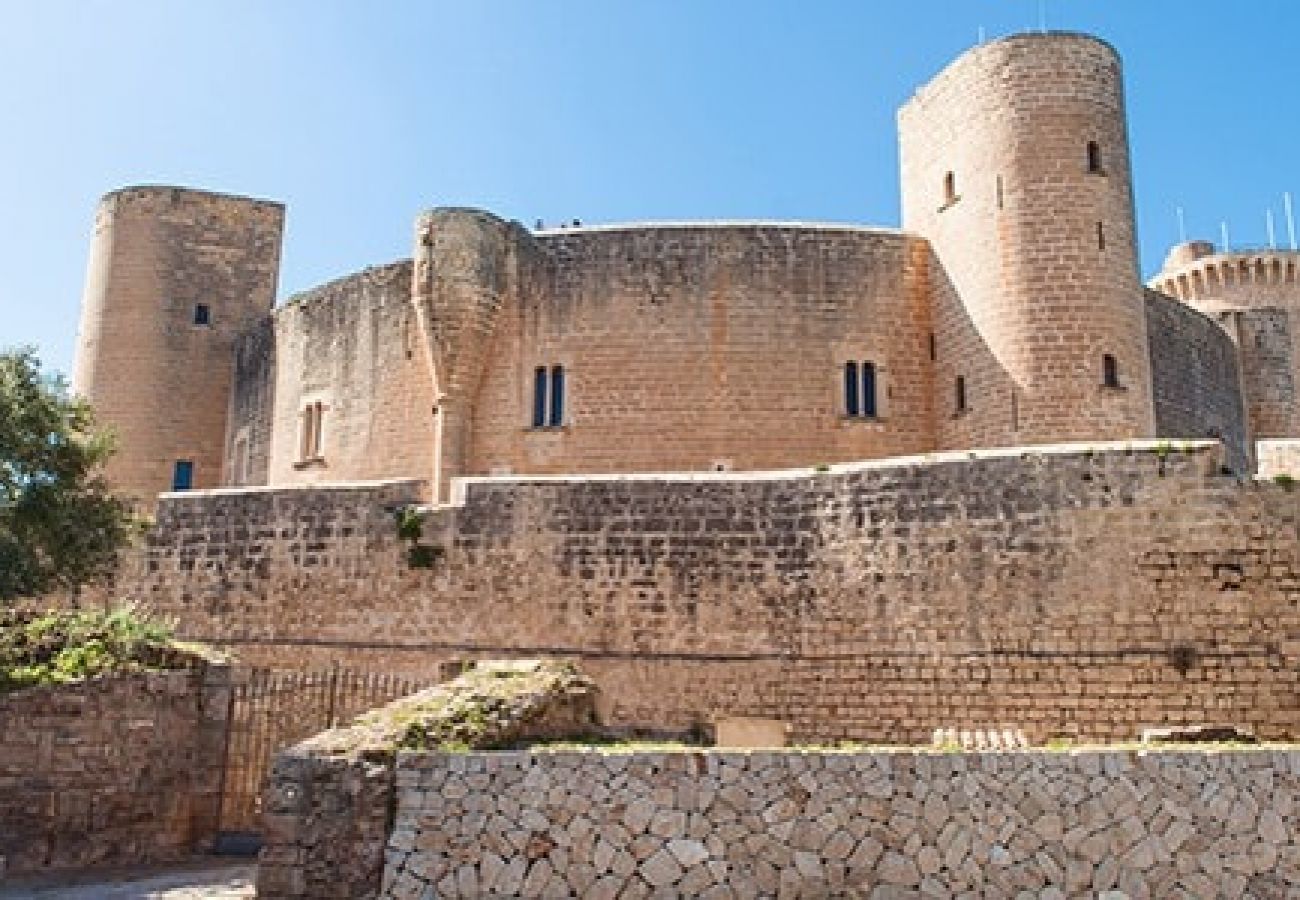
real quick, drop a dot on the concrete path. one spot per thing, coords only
(201, 880)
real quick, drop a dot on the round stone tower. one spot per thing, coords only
(175, 275)
(1255, 296)
(1015, 166)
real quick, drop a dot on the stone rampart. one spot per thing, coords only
(118, 770)
(1078, 592)
(722, 825)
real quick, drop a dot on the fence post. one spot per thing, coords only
(334, 694)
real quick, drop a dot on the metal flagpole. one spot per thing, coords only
(1223, 227)
(1182, 227)
(1290, 218)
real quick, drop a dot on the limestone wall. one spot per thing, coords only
(156, 372)
(1279, 458)
(718, 825)
(1036, 244)
(117, 770)
(1083, 592)
(352, 346)
(686, 347)
(1195, 380)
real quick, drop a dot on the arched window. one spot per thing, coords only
(1109, 370)
(949, 189)
(861, 390)
(1094, 158)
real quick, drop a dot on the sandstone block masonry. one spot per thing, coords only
(879, 825)
(1081, 592)
(118, 770)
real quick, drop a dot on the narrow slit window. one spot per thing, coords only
(869, 390)
(557, 396)
(539, 397)
(851, 389)
(961, 393)
(202, 314)
(309, 448)
(934, 347)
(1109, 370)
(183, 475)
(1001, 194)
(949, 189)
(1094, 158)
(1101, 236)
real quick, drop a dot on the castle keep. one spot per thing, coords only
(926, 560)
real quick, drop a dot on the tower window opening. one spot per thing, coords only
(1109, 370)
(934, 348)
(548, 397)
(183, 475)
(861, 390)
(1101, 236)
(309, 444)
(202, 314)
(1001, 197)
(960, 394)
(949, 189)
(1094, 159)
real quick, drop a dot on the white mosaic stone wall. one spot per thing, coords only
(881, 825)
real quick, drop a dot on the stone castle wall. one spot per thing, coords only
(688, 347)
(719, 825)
(113, 771)
(351, 346)
(1195, 381)
(160, 378)
(1079, 592)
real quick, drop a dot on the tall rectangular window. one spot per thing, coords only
(309, 447)
(557, 396)
(539, 397)
(861, 390)
(183, 475)
(869, 390)
(851, 389)
(548, 397)
(961, 394)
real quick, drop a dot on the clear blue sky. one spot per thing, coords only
(360, 114)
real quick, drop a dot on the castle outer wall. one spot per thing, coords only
(1082, 592)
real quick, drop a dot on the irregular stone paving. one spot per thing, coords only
(226, 881)
(1113, 824)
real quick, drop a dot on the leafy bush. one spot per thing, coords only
(54, 647)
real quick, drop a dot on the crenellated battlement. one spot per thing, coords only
(1195, 272)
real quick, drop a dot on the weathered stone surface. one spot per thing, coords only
(118, 770)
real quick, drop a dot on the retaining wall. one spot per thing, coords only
(727, 825)
(118, 770)
(1080, 592)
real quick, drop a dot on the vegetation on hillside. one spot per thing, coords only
(60, 526)
(57, 646)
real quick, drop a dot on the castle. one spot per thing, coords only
(868, 482)
(1008, 311)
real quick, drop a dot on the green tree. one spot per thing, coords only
(60, 526)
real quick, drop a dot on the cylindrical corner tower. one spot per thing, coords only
(175, 275)
(1015, 166)
(1255, 296)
